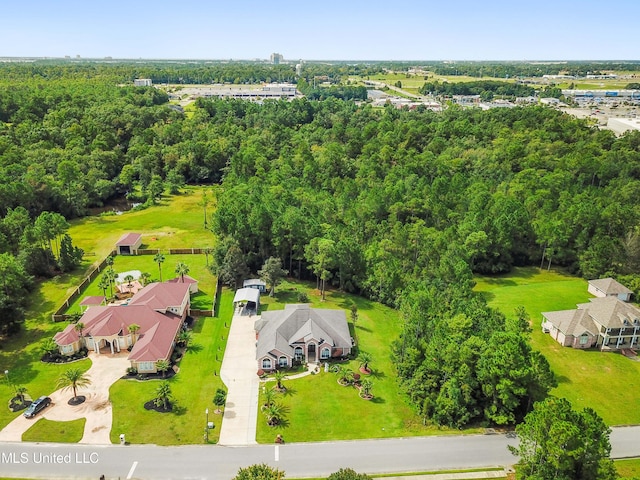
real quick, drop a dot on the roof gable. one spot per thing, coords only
(299, 323)
(128, 239)
(160, 296)
(609, 286)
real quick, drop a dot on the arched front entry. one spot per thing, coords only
(311, 352)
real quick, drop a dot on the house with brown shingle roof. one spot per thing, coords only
(159, 309)
(607, 323)
(301, 333)
(608, 287)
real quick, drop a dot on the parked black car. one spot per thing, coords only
(37, 406)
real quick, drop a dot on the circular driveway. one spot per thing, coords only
(105, 370)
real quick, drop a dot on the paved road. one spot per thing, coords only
(297, 460)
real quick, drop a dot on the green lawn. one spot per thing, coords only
(606, 382)
(193, 388)
(629, 468)
(56, 432)
(344, 414)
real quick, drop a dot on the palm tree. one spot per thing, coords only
(274, 414)
(344, 374)
(365, 358)
(111, 275)
(133, 329)
(269, 397)
(20, 391)
(104, 284)
(159, 258)
(129, 279)
(163, 366)
(73, 378)
(365, 390)
(184, 338)
(279, 376)
(79, 327)
(145, 278)
(163, 396)
(182, 269)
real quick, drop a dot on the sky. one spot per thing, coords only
(322, 29)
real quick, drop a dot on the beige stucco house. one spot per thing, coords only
(159, 309)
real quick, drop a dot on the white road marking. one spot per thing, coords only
(277, 453)
(133, 469)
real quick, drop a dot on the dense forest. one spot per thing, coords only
(401, 206)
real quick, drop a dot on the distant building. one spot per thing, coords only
(142, 82)
(276, 58)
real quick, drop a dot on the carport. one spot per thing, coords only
(248, 299)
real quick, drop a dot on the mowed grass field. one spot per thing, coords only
(44, 430)
(320, 409)
(607, 382)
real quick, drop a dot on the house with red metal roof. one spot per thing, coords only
(159, 310)
(128, 244)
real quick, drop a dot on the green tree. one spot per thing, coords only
(348, 474)
(133, 328)
(145, 278)
(73, 379)
(365, 358)
(274, 414)
(259, 472)
(159, 259)
(272, 273)
(162, 366)
(129, 280)
(164, 396)
(279, 376)
(182, 269)
(69, 257)
(79, 327)
(320, 254)
(220, 398)
(103, 284)
(558, 442)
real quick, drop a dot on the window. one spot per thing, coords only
(326, 353)
(297, 353)
(67, 349)
(146, 366)
(584, 339)
(266, 363)
(283, 362)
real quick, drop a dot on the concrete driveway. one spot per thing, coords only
(239, 373)
(104, 371)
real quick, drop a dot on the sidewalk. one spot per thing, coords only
(239, 374)
(453, 476)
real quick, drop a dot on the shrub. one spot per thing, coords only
(132, 371)
(303, 297)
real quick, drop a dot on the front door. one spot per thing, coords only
(311, 352)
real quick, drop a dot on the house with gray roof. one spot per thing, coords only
(300, 333)
(608, 287)
(606, 322)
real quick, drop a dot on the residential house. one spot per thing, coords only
(608, 287)
(607, 323)
(92, 301)
(128, 244)
(159, 309)
(301, 333)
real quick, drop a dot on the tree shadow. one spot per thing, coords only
(289, 392)
(196, 326)
(194, 348)
(563, 379)
(179, 410)
(377, 400)
(377, 374)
